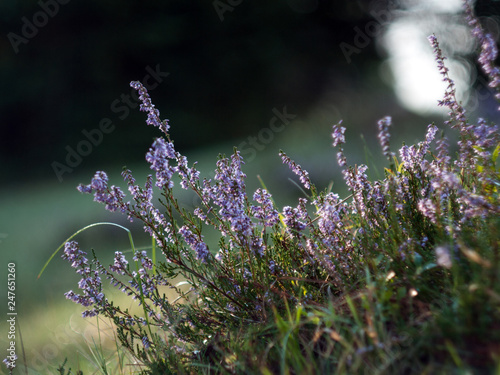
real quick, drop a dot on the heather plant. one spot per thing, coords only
(400, 276)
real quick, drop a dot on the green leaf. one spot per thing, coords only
(494, 156)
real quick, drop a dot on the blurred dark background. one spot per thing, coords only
(231, 65)
(228, 66)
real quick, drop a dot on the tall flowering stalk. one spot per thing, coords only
(489, 50)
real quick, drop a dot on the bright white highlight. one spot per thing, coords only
(416, 79)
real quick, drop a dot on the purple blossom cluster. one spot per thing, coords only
(457, 112)
(358, 183)
(338, 141)
(332, 238)
(148, 106)
(297, 169)
(489, 50)
(384, 136)
(112, 196)
(413, 158)
(9, 363)
(142, 286)
(196, 243)
(90, 283)
(142, 257)
(228, 193)
(266, 211)
(120, 265)
(158, 156)
(295, 218)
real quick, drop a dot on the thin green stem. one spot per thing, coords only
(80, 231)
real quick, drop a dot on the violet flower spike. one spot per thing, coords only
(229, 194)
(158, 156)
(489, 50)
(90, 283)
(112, 196)
(297, 169)
(266, 212)
(196, 243)
(148, 106)
(120, 263)
(457, 112)
(384, 135)
(338, 135)
(339, 140)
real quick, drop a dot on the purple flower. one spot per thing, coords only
(339, 140)
(138, 193)
(145, 342)
(158, 156)
(489, 49)
(189, 176)
(294, 217)
(229, 194)
(443, 157)
(73, 254)
(143, 258)
(457, 112)
(409, 157)
(297, 169)
(257, 246)
(384, 135)
(112, 196)
(272, 266)
(329, 214)
(143, 208)
(10, 362)
(357, 181)
(200, 214)
(341, 159)
(195, 242)
(100, 181)
(429, 137)
(317, 254)
(266, 212)
(338, 134)
(148, 106)
(90, 283)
